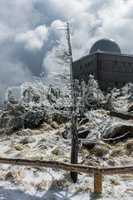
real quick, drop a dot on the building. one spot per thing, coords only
(108, 65)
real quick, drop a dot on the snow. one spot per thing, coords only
(46, 143)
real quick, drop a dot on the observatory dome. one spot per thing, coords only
(105, 45)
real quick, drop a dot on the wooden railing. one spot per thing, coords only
(98, 172)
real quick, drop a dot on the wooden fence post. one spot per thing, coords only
(98, 182)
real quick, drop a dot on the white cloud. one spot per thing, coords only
(28, 31)
(33, 39)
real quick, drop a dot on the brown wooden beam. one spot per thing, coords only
(49, 164)
(98, 182)
(97, 171)
(68, 167)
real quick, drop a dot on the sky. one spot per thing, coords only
(31, 38)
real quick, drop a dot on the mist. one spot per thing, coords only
(30, 35)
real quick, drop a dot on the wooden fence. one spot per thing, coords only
(98, 172)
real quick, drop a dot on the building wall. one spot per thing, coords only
(114, 70)
(109, 69)
(85, 66)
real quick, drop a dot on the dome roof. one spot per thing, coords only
(105, 45)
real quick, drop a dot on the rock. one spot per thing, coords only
(130, 108)
(42, 147)
(9, 176)
(24, 132)
(41, 142)
(19, 147)
(82, 134)
(46, 127)
(43, 185)
(129, 146)
(118, 130)
(37, 157)
(27, 140)
(59, 117)
(111, 162)
(100, 150)
(54, 125)
(114, 181)
(117, 152)
(56, 151)
(88, 144)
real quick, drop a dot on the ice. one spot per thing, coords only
(26, 183)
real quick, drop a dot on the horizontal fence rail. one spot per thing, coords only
(68, 167)
(98, 172)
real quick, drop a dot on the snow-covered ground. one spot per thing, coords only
(47, 143)
(26, 183)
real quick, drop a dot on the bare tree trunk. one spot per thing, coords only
(74, 147)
